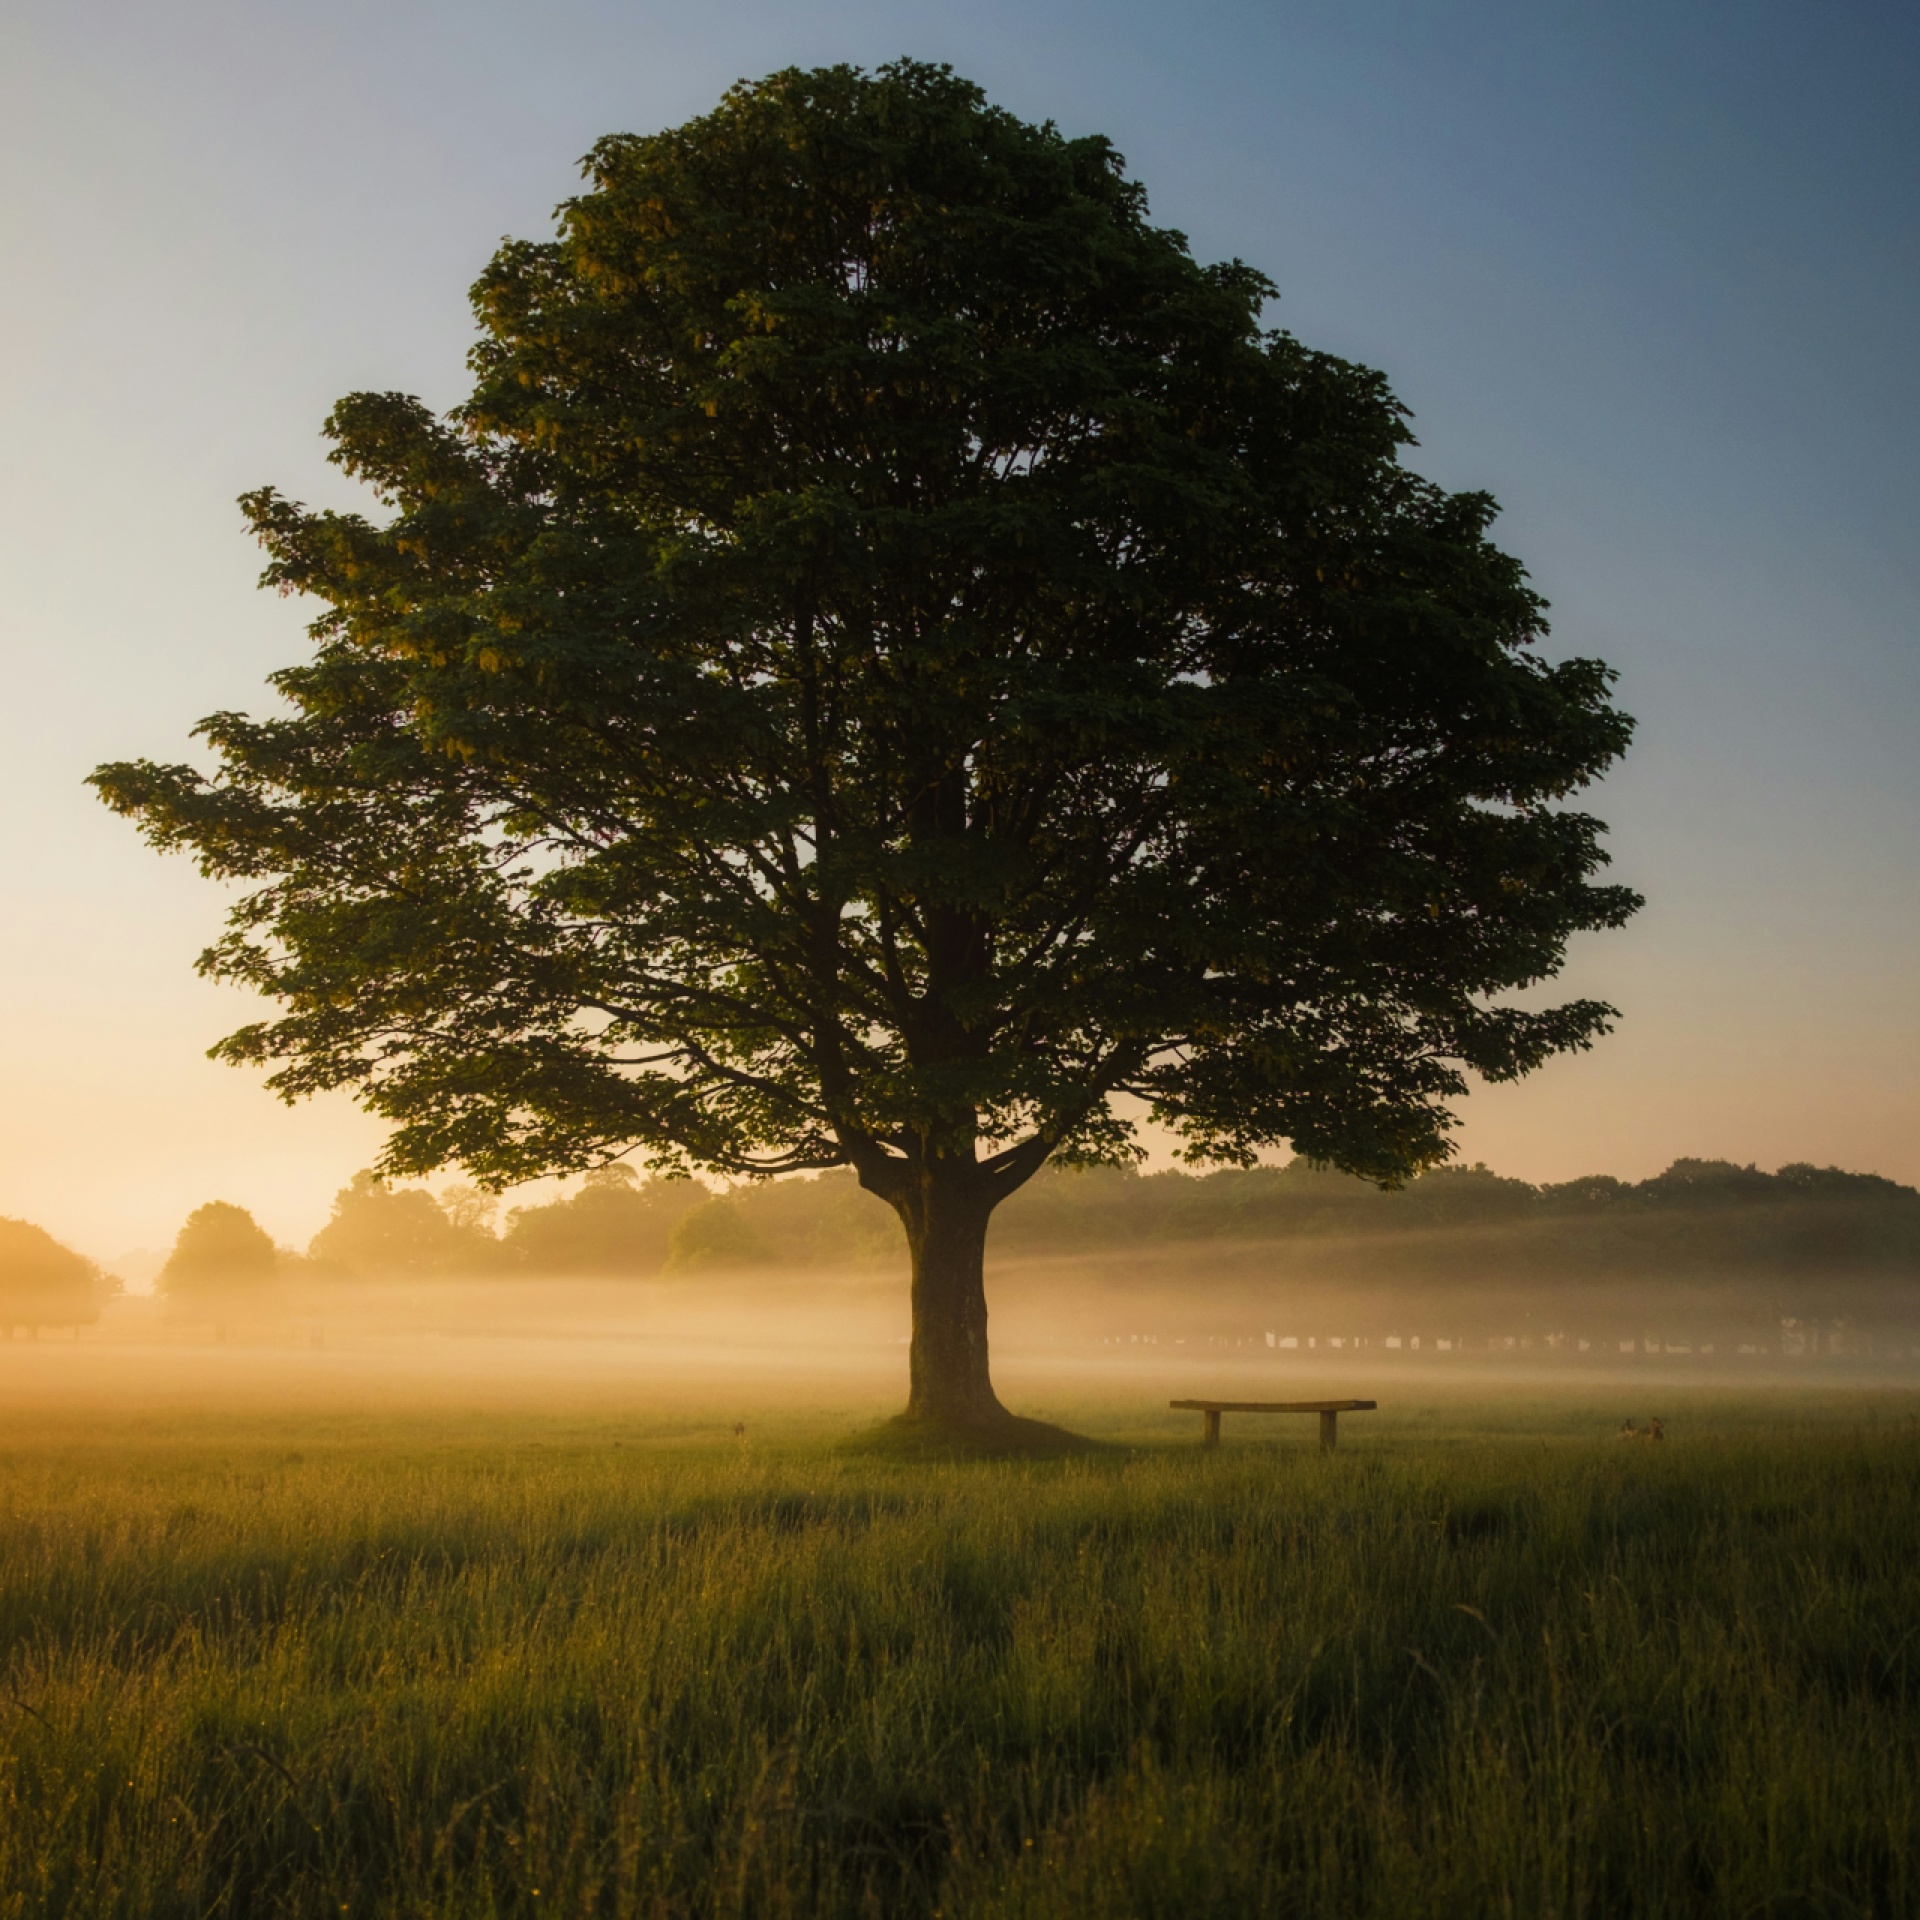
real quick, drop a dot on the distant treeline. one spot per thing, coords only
(1699, 1213)
(617, 1224)
(1700, 1217)
(1697, 1216)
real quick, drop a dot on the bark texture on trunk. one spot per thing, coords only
(946, 1222)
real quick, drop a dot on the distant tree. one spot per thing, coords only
(1707, 1183)
(470, 1209)
(1690, 1183)
(824, 1219)
(1590, 1193)
(892, 655)
(42, 1283)
(714, 1234)
(1064, 1209)
(616, 1224)
(1455, 1196)
(381, 1232)
(1806, 1182)
(223, 1260)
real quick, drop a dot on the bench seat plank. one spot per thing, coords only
(1274, 1406)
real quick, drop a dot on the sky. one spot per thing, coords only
(1648, 273)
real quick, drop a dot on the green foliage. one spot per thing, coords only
(891, 653)
(221, 1253)
(379, 1231)
(42, 1283)
(1698, 1212)
(615, 1224)
(825, 1220)
(1068, 1208)
(1698, 1216)
(714, 1234)
(1484, 1662)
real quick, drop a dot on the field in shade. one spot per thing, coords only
(274, 1649)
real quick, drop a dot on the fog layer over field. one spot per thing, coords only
(695, 1357)
(1274, 1283)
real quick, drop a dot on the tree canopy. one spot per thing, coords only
(43, 1283)
(891, 655)
(616, 1223)
(714, 1234)
(221, 1253)
(377, 1229)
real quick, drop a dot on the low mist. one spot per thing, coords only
(697, 1310)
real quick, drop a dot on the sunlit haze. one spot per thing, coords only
(1647, 274)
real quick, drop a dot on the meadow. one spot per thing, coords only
(396, 1659)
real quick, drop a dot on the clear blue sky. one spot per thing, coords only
(1649, 273)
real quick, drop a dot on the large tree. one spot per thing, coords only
(895, 665)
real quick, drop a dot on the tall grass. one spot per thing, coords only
(1496, 1675)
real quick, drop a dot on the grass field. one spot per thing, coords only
(1488, 1659)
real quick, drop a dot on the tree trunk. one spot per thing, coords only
(946, 1222)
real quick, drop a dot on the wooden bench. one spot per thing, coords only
(1328, 1410)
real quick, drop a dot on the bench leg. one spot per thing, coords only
(1329, 1434)
(1211, 1437)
